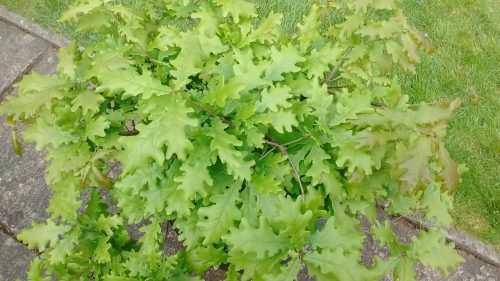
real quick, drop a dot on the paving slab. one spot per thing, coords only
(18, 51)
(462, 240)
(48, 62)
(14, 259)
(471, 270)
(24, 196)
(33, 29)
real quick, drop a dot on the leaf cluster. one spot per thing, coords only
(264, 148)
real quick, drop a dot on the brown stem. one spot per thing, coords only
(337, 67)
(297, 140)
(283, 150)
(199, 105)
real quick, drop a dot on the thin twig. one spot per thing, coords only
(283, 151)
(267, 153)
(297, 176)
(337, 67)
(297, 140)
(378, 104)
(210, 112)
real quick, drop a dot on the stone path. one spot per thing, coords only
(25, 47)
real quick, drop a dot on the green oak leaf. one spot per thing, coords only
(237, 9)
(261, 241)
(283, 61)
(189, 60)
(132, 84)
(283, 121)
(288, 272)
(317, 159)
(253, 266)
(35, 272)
(78, 9)
(431, 249)
(138, 151)
(437, 204)
(43, 134)
(404, 271)
(101, 253)
(217, 218)
(224, 145)
(65, 201)
(66, 57)
(267, 31)
(88, 101)
(337, 265)
(413, 162)
(293, 221)
(275, 98)
(349, 106)
(63, 248)
(223, 92)
(96, 128)
(35, 93)
(196, 176)
(39, 235)
(336, 235)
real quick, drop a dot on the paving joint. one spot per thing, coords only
(7, 230)
(467, 244)
(54, 39)
(23, 72)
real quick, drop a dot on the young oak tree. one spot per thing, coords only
(265, 149)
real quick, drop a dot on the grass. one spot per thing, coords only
(43, 12)
(465, 64)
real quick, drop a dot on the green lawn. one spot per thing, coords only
(465, 64)
(43, 12)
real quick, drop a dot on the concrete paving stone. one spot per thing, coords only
(18, 50)
(472, 269)
(48, 62)
(14, 259)
(26, 25)
(24, 196)
(462, 240)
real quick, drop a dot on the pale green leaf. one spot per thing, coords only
(39, 235)
(217, 218)
(261, 241)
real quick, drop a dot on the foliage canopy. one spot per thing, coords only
(263, 148)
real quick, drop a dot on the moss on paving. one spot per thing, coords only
(465, 64)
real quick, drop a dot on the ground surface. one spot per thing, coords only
(466, 64)
(24, 196)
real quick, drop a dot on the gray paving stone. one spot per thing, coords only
(24, 196)
(48, 62)
(53, 38)
(14, 259)
(463, 241)
(18, 50)
(471, 270)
